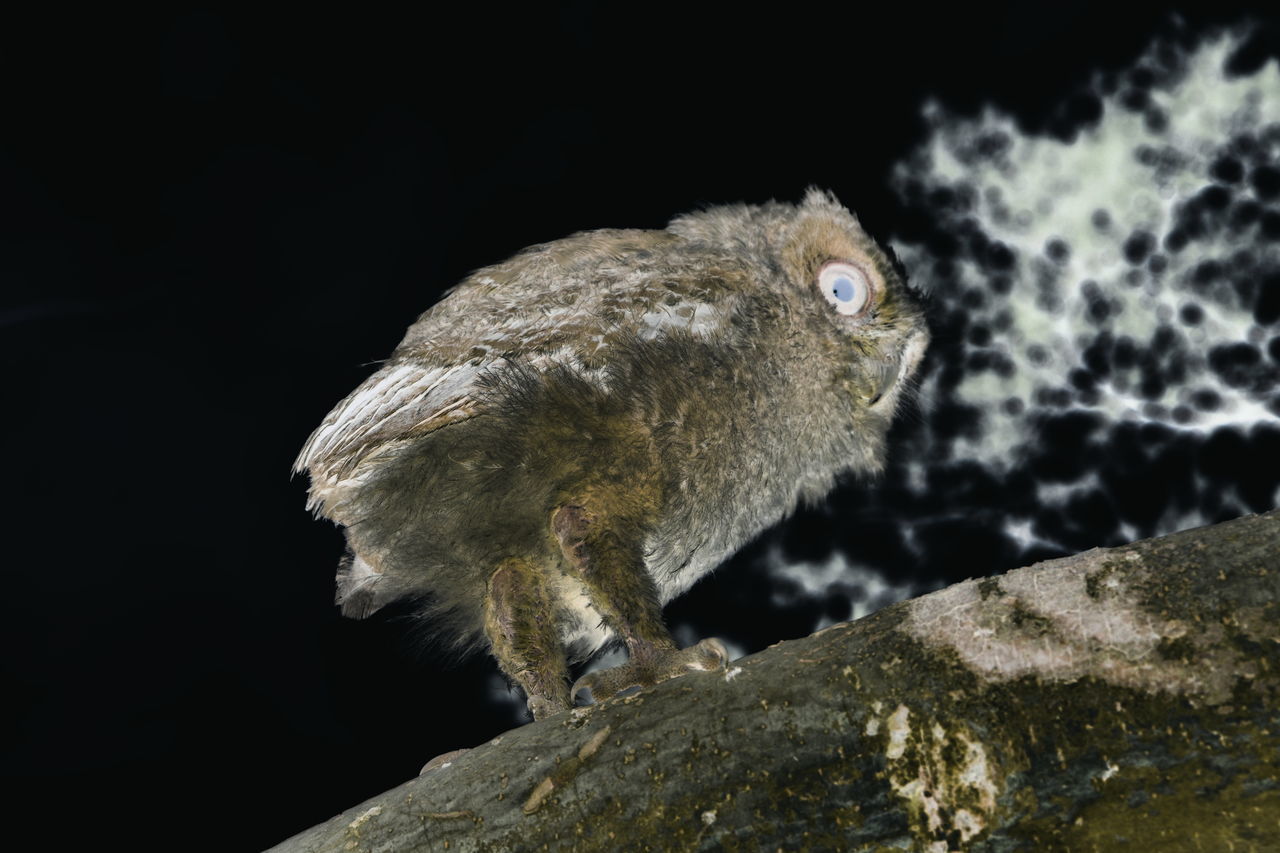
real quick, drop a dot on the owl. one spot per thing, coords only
(569, 439)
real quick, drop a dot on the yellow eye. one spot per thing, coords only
(845, 286)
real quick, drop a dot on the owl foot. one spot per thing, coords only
(543, 706)
(649, 668)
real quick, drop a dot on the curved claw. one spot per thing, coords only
(711, 655)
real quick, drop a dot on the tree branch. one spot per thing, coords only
(1120, 695)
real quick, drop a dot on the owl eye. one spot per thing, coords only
(845, 287)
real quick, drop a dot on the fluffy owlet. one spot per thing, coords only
(571, 438)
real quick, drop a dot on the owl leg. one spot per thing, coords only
(622, 590)
(520, 624)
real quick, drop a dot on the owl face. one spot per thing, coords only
(867, 323)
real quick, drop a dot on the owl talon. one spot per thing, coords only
(582, 693)
(711, 655)
(595, 687)
(542, 707)
(654, 667)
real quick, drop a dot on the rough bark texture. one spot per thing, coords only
(1117, 699)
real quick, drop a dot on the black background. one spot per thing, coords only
(211, 224)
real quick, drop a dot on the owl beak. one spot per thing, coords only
(897, 373)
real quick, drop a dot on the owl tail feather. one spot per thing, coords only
(361, 590)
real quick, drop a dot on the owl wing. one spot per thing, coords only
(566, 303)
(400, 399)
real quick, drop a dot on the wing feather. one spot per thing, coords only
(566, 302)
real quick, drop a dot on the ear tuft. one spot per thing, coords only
(815, 197)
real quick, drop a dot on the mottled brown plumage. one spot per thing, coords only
(569, 439)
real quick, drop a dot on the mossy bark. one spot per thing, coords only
(1117, 699)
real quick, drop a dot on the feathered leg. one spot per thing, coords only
(519, 622)
(602, 554)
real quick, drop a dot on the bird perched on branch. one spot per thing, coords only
(571, 438)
